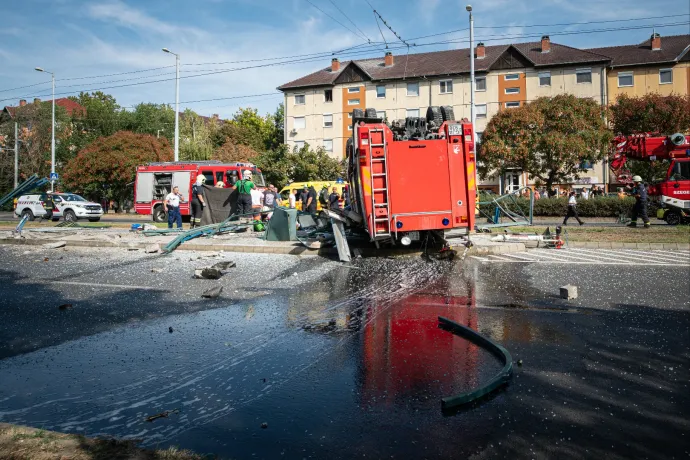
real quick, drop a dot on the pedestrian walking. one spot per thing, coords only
(334, 199)
(639, 191)
(244, 189)
(198, 200)
(292, 199)
(572, 209)
(172, 207)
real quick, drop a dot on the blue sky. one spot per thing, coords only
(82, 39)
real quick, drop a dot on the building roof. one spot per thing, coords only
(673, 48)
(68, 104)
(449, 62)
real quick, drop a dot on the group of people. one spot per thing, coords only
(638, 190)
(585, 193)
(251, 202)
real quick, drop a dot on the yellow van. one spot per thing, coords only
(318, 185)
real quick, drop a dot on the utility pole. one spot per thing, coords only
(52, 137)
(177, 103)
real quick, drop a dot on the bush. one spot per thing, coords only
(550, 207)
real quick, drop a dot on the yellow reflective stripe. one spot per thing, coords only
(366, 181)
(471, 181)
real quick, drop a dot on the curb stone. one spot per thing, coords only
(615, 245)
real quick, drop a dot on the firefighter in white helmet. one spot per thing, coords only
(244, 189)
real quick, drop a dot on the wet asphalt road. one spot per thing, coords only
(346, 362)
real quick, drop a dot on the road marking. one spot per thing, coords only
(103, 285)
(581, 256)
(664, 254)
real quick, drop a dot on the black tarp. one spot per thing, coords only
(220, 204)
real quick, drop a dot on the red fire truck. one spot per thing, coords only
(674, 190)
(413, 176)
(155, 180)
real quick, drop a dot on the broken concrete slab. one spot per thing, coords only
(568, 292)
(208, 273)
(56, 245)
(224, 265)
(212, 293)
(152, 249)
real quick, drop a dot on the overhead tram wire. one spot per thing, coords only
(351, 21)
(366, 51)
(346, 27)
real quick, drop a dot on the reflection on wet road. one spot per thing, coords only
(353, 364)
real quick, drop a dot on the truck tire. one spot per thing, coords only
(447, 113)
(27, 212)
(673, 218)
(370, 113)
(159, 214)
(433, 114)
(357, 113)
(70, 216)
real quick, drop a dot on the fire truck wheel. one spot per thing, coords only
(27, 212)
(70, 216)
(672, 218)
(159, 214)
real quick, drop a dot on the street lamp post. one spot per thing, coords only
(52, 135)
(472, 107)
(177, 103)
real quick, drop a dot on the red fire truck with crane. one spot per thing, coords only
(155, 180)
(412, 178)
(674, 190)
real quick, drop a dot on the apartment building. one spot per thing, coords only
(318, 106)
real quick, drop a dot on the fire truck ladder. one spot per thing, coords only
(380, 211)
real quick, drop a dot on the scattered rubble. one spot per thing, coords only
(224, 265)
(156, 270)
(568, 292)
(212, 293)
(56, 245)
(152, 249)
(208, 273)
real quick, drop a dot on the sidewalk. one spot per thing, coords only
(229, 242)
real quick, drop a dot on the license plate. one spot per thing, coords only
(455, 130)
(414, 236)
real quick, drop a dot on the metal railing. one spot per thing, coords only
(507, 212)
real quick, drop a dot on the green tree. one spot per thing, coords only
(108, 165)
(652, 112)
(195, 136)
(102, 117)
(548, 138)
(281, 166)
(147, 118)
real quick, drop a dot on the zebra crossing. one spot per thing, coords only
(570, 256)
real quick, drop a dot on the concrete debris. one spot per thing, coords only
(150, 227)
(56, 245)
(208, 273)
(152, 249)
(224, 265)
(156, 270)
(212, 293)
(568, 292)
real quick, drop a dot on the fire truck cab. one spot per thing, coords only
(155, 180)
(415, 176)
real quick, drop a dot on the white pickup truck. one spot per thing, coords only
(70, 206)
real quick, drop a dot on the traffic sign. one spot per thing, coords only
(54, 176)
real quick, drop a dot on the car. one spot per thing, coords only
(69, 206)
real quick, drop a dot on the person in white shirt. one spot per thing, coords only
(171, 204)
(585, 194)
(572, 209)
(292, 199)
(257, 202)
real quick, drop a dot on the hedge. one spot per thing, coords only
(594, 207)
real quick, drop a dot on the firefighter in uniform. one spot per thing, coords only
(48, 205)
(640, 208)
(197, 200)
(244, 188)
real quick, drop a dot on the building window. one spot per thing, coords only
(299, 99)
(480, 110)
(413, 113)
(327, 120)
(511, 76)
(665, 76)
(584, 75)
(512, 105)
(480, 84)
(299, 145)
(479, 135)
(353, 90)
(353, 102)
(300, 123)
(446, 86)
(349, 127)
(328, 95)
(328, 145)
(381, 91)
(381, 114)
(413, 89)
(349, 115)
(512, 90)
(545, 79)
(625, 79)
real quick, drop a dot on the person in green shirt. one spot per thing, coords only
(244, 188)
